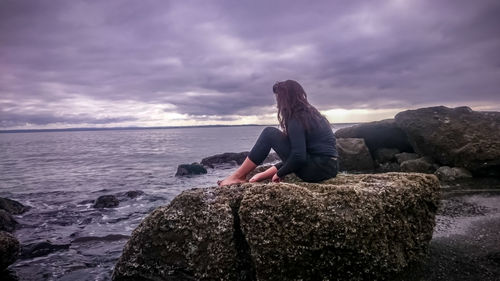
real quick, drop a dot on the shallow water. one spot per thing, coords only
(59, 173)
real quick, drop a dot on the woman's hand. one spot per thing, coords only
(257, 177)
(276, 178)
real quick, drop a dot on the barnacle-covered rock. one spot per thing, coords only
(457, 137)
(352, 227)
(354, 155)
(9, 249)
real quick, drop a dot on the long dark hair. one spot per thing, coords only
(292, 102)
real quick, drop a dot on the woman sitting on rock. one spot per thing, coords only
(306, 146)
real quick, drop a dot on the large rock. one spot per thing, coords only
(13, 207)
(457, 137)
(352, 227)
(9, 249)
(7, 222)
(354, 155)
(378, 134)
(195, 237)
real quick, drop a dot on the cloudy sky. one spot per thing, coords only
(169, 63)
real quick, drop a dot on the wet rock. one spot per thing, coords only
(12, 206)
(420, 165)
(134, 193)
(106, 201)
(9, 249)
(190, 169)
(405, 156)
(41, 249)
(446, 173)
(384, 155)
(352, 227)
(379, 134)
(456, 137)
(354, 155)
(224, 158)
(7, 222)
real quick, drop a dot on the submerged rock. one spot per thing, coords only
(7, 222)
(457, 137)
(349, 228)
(134, 193)
(190, 169)
(354, 155)
(106, 201)
(41, 249)
(13, 207)
(9, 249)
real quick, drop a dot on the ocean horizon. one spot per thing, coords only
(150, 128)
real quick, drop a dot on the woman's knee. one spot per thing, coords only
(270, 132)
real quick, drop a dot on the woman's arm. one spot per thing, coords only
(298, 150)
(267, 174)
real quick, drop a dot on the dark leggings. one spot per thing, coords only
(317, 167)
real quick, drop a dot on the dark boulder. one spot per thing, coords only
(354, 155)
(9, 249)
(384, 155)
(351, 227)
(378, 134)
(106, 201)
(12, 206)
(458, 137)
(39, 249)
(190, 169)
(224, 158)
(7, 222)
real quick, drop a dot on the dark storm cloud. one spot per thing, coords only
(217, 58)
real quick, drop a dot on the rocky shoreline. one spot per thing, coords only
(459, 147)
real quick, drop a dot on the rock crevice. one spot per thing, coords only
(244, 263)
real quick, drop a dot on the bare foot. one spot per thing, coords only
(230, 180)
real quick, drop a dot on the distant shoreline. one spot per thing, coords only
(141, 128)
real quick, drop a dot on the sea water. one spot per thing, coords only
(59, 174)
